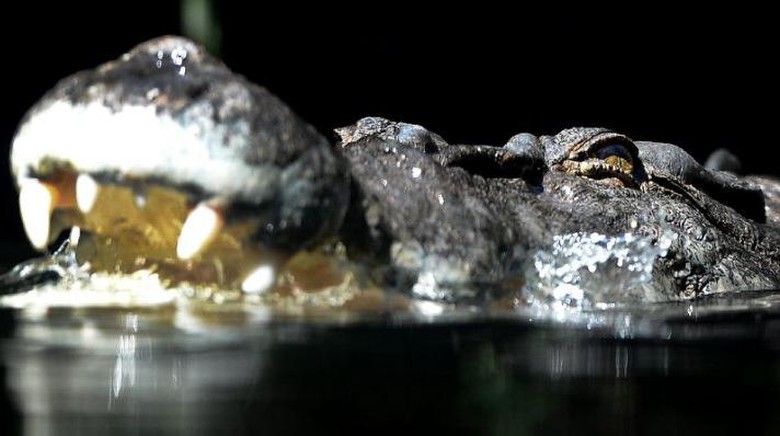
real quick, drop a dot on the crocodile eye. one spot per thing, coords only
(614, 150)
(616, 155)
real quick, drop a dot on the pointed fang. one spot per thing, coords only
(86, 192)
(199, 229)
(36, 202)
(259, 280)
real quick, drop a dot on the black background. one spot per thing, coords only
(700, 78)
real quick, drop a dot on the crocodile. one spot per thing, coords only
(165, 158)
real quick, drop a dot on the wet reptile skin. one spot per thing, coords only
(402, 198)
(488, 211)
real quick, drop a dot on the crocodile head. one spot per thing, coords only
(485, 213)
(165, 152)
(165, 159)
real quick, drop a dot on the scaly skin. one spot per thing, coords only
(490, 207)
(400, 198)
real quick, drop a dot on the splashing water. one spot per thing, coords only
(577, 272)
(592, 270)
(59, 281)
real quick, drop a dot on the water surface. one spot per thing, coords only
(710, 366)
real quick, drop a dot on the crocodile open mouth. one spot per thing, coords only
(124, 228)
(202, 177)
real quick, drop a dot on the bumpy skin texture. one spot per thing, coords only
(487, 210)
(242, 145)
(396, 194)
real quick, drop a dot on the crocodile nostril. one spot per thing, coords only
(526, 144)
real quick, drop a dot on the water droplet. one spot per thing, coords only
(605, 268)
(152, 93)
(178, 55)
(426, 286)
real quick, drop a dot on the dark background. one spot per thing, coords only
(700, 78)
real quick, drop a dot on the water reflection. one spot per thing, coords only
(93, 373)
(88, 374)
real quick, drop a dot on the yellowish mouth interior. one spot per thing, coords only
(128, 229)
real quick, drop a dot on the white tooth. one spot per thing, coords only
(200, 227)
(75, 236)
(86, 192)
(259, 280)
(36, 201)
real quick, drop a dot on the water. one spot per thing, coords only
(585, 270)
(141, 365)
(79, 373)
